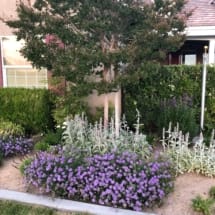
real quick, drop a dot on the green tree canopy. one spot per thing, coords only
(71, 37)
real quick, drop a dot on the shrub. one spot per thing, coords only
(1, 157)
(49, 139)
(9, 129)
(182, 114)
(212, 192)
(53, 138)
(30, 108)
(41, 146)
(202, 205)
(25, 163)
(96, 139)
(158, 83)
(15, 146)
(69, 105)
(119, 180)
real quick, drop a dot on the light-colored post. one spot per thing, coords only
(204, 75)
(211, 52)
(117, 111)
(106, 110)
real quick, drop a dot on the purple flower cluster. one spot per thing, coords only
(51, 173)
(15, 146)
(118, 180)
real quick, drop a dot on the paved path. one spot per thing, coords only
(66, 205)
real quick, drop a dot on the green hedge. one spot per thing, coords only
(162, 92)
(30, 108)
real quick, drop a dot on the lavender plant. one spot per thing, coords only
(119, 180)
(97, 139)
(199, 158)
(14, 146)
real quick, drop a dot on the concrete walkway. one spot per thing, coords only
(65, 205)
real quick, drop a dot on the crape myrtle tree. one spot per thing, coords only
(99, 44)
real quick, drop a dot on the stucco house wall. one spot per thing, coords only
(15, 71)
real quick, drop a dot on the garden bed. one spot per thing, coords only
(187, 187)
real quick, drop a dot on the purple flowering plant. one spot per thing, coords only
(15, 146)
(114, 179)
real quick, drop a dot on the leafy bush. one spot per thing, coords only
(212, 192)
(69, 105)
(96, 139)
(199, 158)
(9, 129)
(184, 115)
(49, 139)
(41, 146)
(53, 138)
(25, 163)
(119, 180)
(30, 108)
(15, 146)
(202, 205)
(157, 84)
(1, 157)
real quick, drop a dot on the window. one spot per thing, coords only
(189, 59)
(17, 71)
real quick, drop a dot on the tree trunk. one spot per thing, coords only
(106, 102)
(106, 110)
(118, 106)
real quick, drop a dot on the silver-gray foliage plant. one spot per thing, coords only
(187, 158)
(91, 139)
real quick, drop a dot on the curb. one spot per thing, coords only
(65, 205)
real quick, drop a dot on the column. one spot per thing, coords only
(211, 51)
(118, 109)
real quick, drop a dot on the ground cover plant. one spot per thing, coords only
(205, 206)
(12, 140)
(114, 179)
(202, 205)
(14, 208)
(48, 140)
(199, 158)
(15, 146)
(9, 208)
(95, 165)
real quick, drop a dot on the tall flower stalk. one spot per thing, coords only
(99, 139)
(199, 158)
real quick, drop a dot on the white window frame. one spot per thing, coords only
(5, 67)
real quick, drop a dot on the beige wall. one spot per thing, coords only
(8, 11)
(94, 100)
